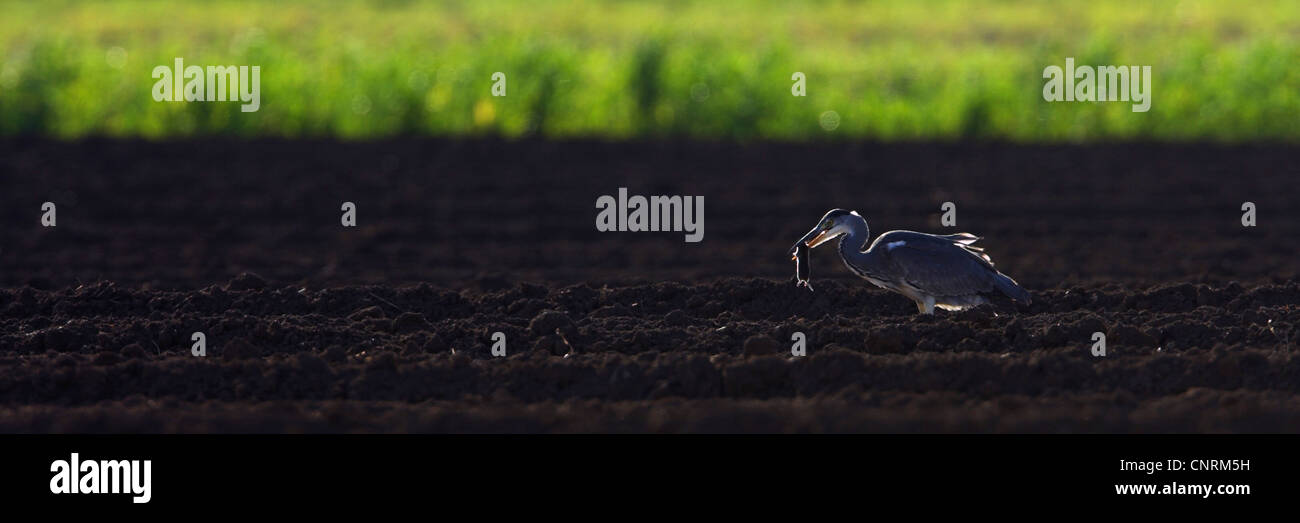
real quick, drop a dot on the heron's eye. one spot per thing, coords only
(826, 226)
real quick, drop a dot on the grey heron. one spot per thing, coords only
(944, 271)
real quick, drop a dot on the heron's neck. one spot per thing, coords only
(853, 243)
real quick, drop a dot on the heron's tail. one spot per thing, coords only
(1010, 288)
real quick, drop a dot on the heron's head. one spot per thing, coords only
(834, 224)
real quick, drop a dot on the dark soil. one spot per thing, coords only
(388, 326)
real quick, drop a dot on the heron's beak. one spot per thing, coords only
(822, 237)
(806, 240)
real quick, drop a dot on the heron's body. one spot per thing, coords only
(944, 271)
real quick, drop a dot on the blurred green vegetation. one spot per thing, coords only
(890, 70)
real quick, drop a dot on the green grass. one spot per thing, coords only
(891, 70)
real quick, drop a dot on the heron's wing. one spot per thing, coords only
(938, 265)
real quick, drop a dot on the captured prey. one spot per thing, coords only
(799, 253)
